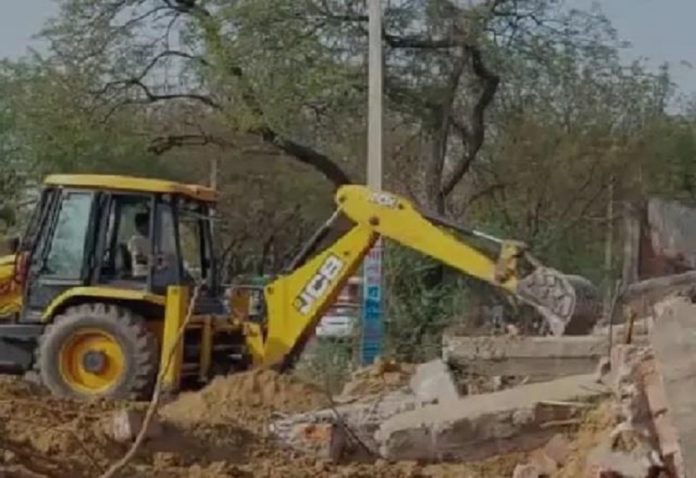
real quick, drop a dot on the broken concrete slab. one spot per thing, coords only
(351, 423)
(480, 426)
(641, 297)
(674, 342)
(540, 358)
(433, 382)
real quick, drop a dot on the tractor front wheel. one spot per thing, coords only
(98, 350)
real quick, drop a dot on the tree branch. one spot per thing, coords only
(163, 144)
(421, 42)
(187, 6)
(153, 97)
(302, 153)
(474, 141)
(434, 172)
(307, 155)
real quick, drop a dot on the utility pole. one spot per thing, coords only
(372, 326)
(374, 129)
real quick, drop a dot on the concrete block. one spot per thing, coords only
(480, 426)
(674, 342)
(125, 425)
(433, 382)
(543, 357)
(526, 471)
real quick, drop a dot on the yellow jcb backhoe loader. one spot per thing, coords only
(94, 293)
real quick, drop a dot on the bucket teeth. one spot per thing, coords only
(570, 304)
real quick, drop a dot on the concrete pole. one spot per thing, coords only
(374, 137)
(372, 323)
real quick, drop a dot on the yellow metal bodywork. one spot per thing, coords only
(71, 361)
(129, 183)
(103, 293)
(395, 218)
(10, 292)
(255, 342)
(172, 350)
(296, 302)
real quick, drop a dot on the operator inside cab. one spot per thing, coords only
(139, 245)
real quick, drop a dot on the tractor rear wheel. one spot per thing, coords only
(98, 350)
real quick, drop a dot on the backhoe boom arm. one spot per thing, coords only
(297, 300)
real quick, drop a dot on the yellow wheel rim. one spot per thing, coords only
(91, 361)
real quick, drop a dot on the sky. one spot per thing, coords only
(659, 30)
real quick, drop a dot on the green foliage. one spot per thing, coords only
(56, 130)
(417, 312)
(327, 364)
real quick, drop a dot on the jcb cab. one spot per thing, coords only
(101, 263)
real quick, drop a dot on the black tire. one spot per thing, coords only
(137, 344)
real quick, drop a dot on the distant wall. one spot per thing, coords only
(660, 239)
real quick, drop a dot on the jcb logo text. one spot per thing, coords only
(319, 284)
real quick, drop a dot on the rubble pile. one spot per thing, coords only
(614, 403)
(556, 407)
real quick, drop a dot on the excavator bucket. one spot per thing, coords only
(570, 304)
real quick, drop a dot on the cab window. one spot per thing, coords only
(190, 233)
(128, 237)
(66, 251)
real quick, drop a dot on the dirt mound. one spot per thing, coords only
(248, 399)
(44, 436)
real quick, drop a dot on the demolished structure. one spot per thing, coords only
(640, 361)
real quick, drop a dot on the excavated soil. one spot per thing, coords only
(44, 436)
(247, 399)
(219, 431)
